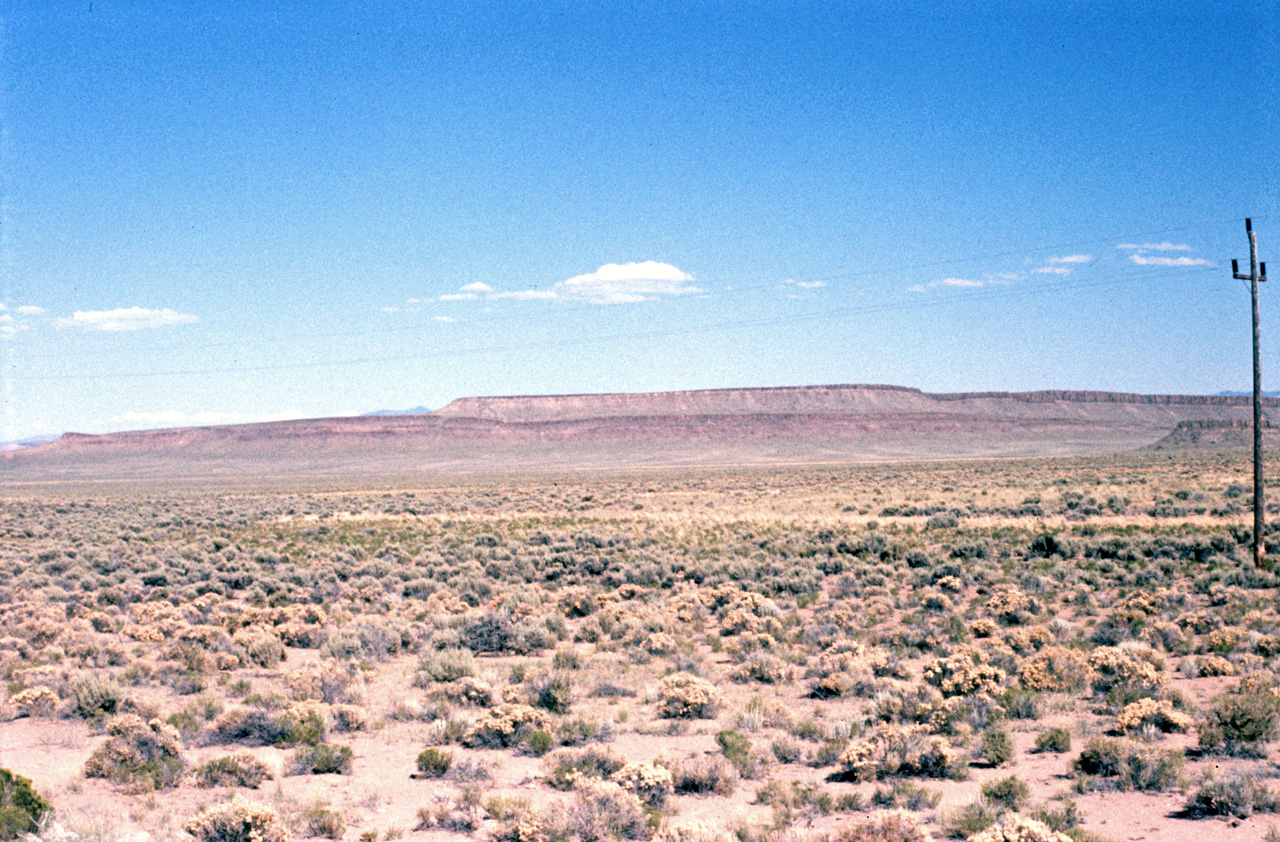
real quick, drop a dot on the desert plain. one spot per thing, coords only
(1065, 647)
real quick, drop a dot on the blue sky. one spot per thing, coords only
(243, 211)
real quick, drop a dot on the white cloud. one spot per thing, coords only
(806, 284)
(916, 288)
(445, 319)
(1071, 258)
(178, 418)
(1052, 270)
(625, 283)
(527, 295)
(1147, 260)
(477, 287)
(1155, 246)
(389, 309)
(1006, 276)
(125, 319)
(963, 283)
(459, 296)
(29, 310)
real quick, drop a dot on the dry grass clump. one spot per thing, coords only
(38, 701)
(966, 672)
(238, 821)
(685, 696)
(1152, 713)
(1019, 828)
(910, 751)
(504, 725)
(884, 826)
(1056, 669)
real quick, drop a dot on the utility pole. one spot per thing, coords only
(1254, 277)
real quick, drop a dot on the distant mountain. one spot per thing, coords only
(1234, 393)
(417, 410)
(762, 426)
(23, 444)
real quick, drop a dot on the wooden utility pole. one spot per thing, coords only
(1254, 277)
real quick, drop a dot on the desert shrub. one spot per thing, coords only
(1010, 793)
(496, 632)
(321, 759)
(323, 822)
(434, 762)
(964, 673)
(1241, 722)
(459, 815)
(21, 807)
(95, 695)
(704, 774)
(239, 769)
(603, 811)
(997, 746)
(737, 750)
(1100, 756)
(238, 821)
(1017, 828)
(885, 826)
(446, 665)
(264, 650)
(567, 766)
(1236, 795)
(605, 690)
(147, 754)
(1054, 739)
(1055, 669)
(685, 696)
(786, 750)
(538, 741)
(1128, 767)
(651, 783)
(504, 726)
(302, 724)
(552, 692)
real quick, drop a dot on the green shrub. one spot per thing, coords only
(538, 741)
(568, 765)
(553, 693)
(239, 769)
(1242, 722)
(1128, 767)
(906, 795)
(1057, 740)
(1100, 756)
(737, 750)
(434, 762)
(21, 807)
(325, 822)
(1009, 793)
(321, 759)
(997, 746)
(971, 819)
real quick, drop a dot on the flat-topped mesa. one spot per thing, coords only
(855, 400)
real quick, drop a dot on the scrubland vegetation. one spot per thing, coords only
(984, 651)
